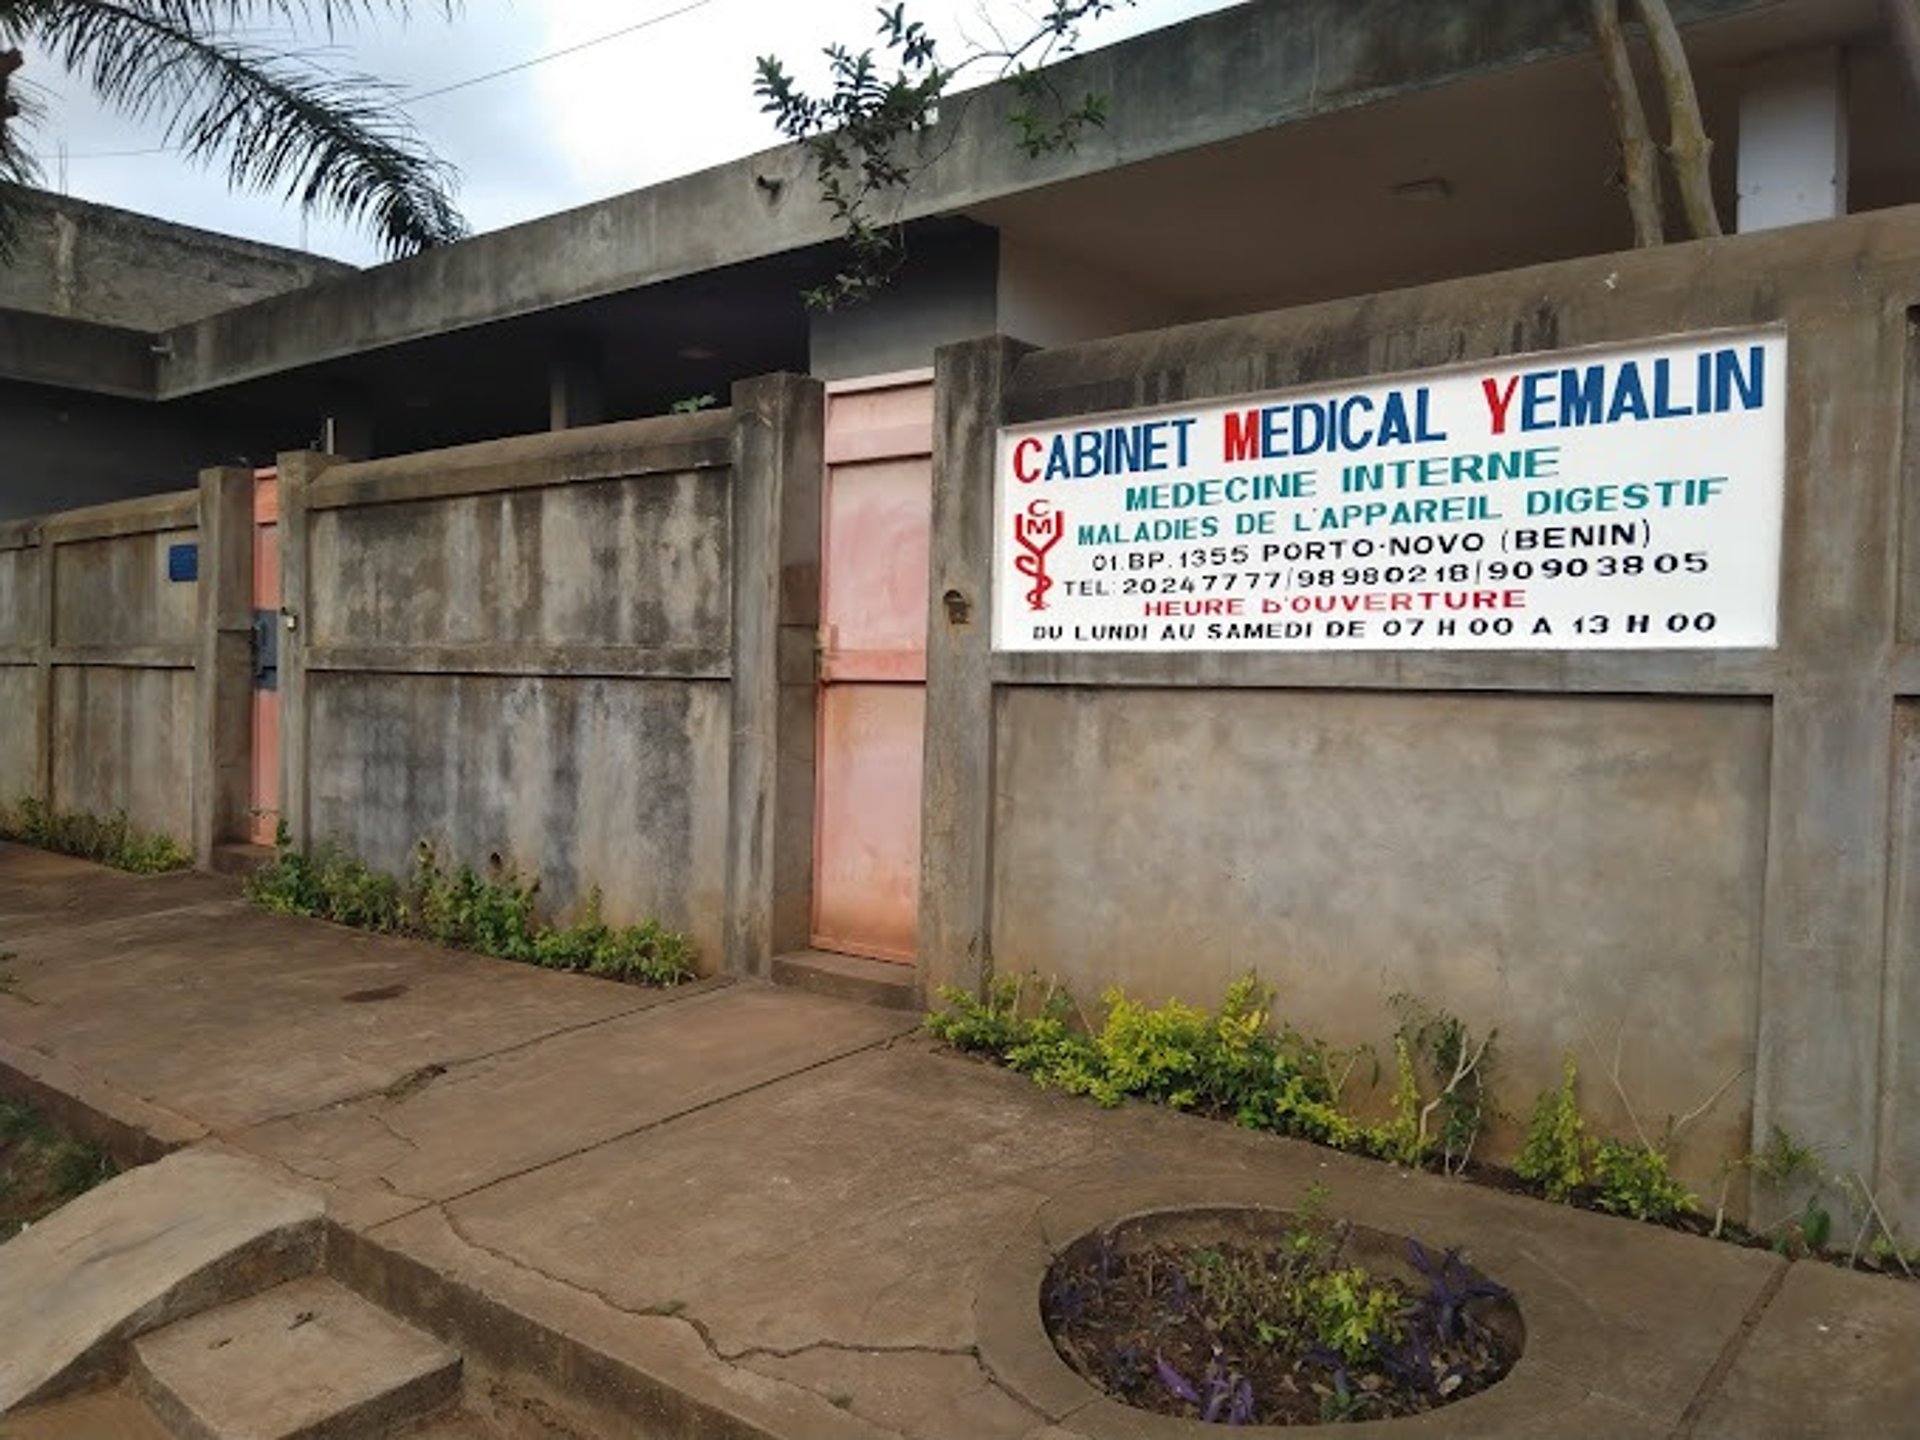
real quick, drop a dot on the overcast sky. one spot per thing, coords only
(663, 100)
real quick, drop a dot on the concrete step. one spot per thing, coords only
(240, 858)
(849, 977)
(307, 1360)
(148, 1247)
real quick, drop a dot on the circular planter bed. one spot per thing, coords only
(1263, 1317)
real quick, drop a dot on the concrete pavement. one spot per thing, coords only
(736, 1210)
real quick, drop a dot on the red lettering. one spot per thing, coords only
(1021, 471)
(1243, 436)
(1499, 401)
(1165, 608)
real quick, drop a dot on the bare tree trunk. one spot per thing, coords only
(1687, 143)
(1903, 19)
(1639, 173)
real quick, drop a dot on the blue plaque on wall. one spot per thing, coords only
(183, 562)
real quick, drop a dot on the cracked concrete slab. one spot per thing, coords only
(855, 1204)
(483, 1121)
(232, 1017)
(1835, 1357)
(924, 1396)
(652, 1365)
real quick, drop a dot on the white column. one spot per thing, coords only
(1793, 140)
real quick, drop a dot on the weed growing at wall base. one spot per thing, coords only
(109, 840)
(1236, 1064)
(492, 912)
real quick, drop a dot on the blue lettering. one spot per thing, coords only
(1629, 395)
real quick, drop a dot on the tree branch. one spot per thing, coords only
(1687, 144)
(1638, 172)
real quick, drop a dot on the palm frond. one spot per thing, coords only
(331, 141)
(17, 166)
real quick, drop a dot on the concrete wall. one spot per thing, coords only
(114, 267)
(564, 651)
(1708, 854)
(97, 661)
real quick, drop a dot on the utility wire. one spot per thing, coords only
(418, 95)
(620, 34)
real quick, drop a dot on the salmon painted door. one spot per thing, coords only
(265, 805)
(878, 511)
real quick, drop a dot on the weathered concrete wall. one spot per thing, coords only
(92, 262)
(1709, 853)
(103, 698)
(1538, 864)
(549, 649)
(20, 646)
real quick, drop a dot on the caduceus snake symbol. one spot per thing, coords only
(1037, 532)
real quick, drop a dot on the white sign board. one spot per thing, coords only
(1617, 499)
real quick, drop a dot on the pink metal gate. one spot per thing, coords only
(264, 808)
(878, 510)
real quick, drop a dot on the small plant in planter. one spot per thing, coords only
(1245, 1317)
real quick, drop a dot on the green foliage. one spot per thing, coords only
(1347, 1310)
(41, 1167)
(1553, 1157)
(327, 885)
(1637, 1180)
(1457, 1069)
(647, 952)
(494, 912)
(693, 404)
(274, 119)
(860, 132)
(1783, 1160)
(1400, 1139)
(109, 840)
(1298, 1295)
(990, 1026)
(1231, 1064)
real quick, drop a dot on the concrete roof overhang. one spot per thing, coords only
(1209, 97)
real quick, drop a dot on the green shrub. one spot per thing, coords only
(1230, 1064)
(1457, 1068)
(1347, 1310)
(108, 840)
(1637, 1180)
(1400, 1139)
(1553, 1157)
(646, 952)
(493, 913)
(990, 1026)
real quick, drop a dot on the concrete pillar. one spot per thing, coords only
(223, 663)
(1793, 140)
(576, 389)
(1824, 937)
(298, 469)
(43, 666)
(778, 462)
(956, 857)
